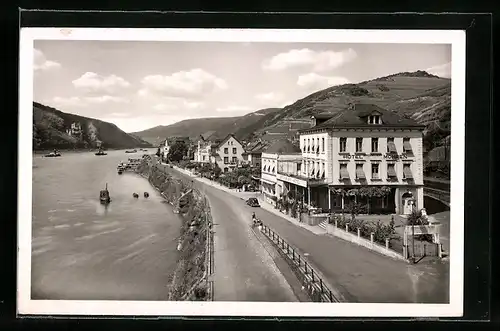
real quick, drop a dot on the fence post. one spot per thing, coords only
(299, 260)
(347, 227)
(359, 232)
(293, 254)
(305, 266)
(372, 236)
(386, 243)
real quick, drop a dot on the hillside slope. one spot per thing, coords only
(50, 130)
(419, 95)
(193, 128)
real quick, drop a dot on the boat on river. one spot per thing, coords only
(104, 196)
(131, 151)
(55, 153)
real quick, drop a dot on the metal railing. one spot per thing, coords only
(316, 288)
(441, 195)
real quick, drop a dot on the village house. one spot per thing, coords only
(283, 157)
(364, 154)
(203, 148)
(227, 154)
(253, 153)
(167, 144)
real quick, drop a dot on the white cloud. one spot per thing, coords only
(192, 83)
(317, 61)
(443, 70)
(312, 81)
(94, 83)
(40, 62)
(64, 102)
(271, 97)
(234, 109)
(105, 99)
(172, 104)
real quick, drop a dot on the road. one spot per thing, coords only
(244, 269)
(359, 274)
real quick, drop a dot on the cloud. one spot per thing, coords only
(40, 62)
(269, 98)
(193, 83)
(93, 83)
(235, 109)
(169, 105)
(442, 70)
(313, 81)
(64, 102)
(317, 61)
(105, 99)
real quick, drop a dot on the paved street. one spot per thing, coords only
(358, 273)
(243, 269)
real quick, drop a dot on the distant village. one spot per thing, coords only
(364, 154)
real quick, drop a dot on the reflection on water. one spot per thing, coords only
(82, 249)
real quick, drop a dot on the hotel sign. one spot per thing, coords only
(390, 156)
(296, 181)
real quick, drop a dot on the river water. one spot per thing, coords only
(82, 250)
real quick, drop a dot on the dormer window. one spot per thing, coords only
(374, 119)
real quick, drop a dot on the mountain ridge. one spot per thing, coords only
(52, 128)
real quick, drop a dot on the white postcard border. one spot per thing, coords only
(26, 306)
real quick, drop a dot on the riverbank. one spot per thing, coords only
(188, 279)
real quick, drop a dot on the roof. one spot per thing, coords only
(206, 135)
(256, 147)
(283, 146)
(355, 116)
(226, 139)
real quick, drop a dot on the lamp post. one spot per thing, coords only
(412, 233)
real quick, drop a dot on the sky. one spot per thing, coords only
(141, 84)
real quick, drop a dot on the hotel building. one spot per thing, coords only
(361, 149)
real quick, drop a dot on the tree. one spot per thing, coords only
(177, 151)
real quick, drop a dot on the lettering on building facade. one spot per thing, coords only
(390, 156)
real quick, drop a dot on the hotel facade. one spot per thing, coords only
(361, 154)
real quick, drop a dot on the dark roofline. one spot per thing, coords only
(227, 138)
(364, 126)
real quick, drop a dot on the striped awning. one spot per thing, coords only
(406, 146)
(391, 147)
(391, 172)
(344, 174)
(407, 173)
(360, 174)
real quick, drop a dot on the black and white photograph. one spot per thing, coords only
(222, 172)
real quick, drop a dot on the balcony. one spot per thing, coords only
(301, 180)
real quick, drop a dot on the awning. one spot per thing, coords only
(407, 173)
(391, 172)
(360, 174)
(344, 174)
(391, 147)
(407, 146)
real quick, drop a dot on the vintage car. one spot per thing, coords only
(253, 202)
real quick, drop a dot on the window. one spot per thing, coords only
(406, 145)
(360, 174)
(317, 145)
(374, 119)
(343, 145)
(234, 150)
(226, 150)
(226, 160)
(226, 169)
(359, 145)
(374, 145)
(304, 146)
(407, 171)
(323, 145)
(308, 144)
(323, 171)
(375, 171)
(203, 157)
(391, 171)
(235, 159)
(257, 164)
(391, 148)
(344, 174)
(299, 168)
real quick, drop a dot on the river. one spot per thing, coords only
(82, 250)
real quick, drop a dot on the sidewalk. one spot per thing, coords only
(270, 208)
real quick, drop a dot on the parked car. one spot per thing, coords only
(253, 202)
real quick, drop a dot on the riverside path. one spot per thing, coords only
(359, 274)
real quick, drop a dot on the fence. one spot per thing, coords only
(316, 288)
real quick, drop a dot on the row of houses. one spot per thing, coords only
(361, 147)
